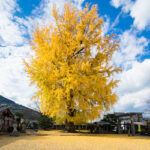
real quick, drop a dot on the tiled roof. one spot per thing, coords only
(3, 107)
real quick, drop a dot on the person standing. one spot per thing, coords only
(139, 129)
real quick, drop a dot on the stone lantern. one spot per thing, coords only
(23, 127)
(15, 132)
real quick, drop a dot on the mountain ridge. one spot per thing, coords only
(28, 113)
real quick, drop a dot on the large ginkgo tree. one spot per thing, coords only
(72, 66)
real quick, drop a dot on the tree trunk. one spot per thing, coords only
(69, 127)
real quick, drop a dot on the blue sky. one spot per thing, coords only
(128, 19)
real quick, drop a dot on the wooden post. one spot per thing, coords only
(132, 127)
(118, 125)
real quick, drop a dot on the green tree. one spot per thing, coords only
(45, 122)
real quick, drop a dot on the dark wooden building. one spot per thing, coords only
(6, 118)
(124, 122)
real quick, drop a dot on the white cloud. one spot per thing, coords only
(140, 13)
(134, 87)
(9, 30)
(136, 78)
(125, 4)
(133, 101)
(130, 47)
(138, 10)
(106, 25)
(14, 83)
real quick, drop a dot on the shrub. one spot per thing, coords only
(45, 122)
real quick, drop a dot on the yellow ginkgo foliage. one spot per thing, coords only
(72, 67)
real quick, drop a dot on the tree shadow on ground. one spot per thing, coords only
(7, 139)
(87, 133)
